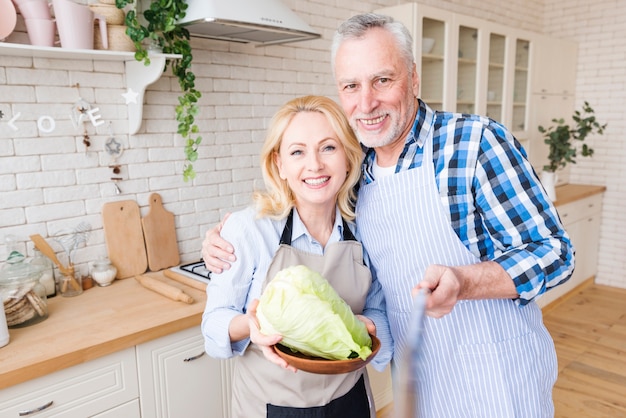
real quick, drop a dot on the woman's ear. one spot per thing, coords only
(279, 165)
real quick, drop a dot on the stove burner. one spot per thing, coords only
(198, 268)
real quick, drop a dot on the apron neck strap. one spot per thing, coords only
(285, 238)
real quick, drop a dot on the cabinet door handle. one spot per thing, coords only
(194, 357)
(32, 411)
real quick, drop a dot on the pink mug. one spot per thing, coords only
(35, 9)
(75, 25)
(41, 32)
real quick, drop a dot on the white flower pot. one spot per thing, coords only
(549, 180)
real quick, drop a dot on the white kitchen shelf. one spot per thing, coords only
(138, 75)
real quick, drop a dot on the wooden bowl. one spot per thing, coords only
(324, 366)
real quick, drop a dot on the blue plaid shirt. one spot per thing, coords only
(494, 199)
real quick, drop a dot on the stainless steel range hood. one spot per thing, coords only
(260, 21)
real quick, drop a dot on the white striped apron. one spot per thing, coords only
(487, 358)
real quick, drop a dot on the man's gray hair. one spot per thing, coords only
(357, 26)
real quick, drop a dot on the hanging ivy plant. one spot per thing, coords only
(163, 33)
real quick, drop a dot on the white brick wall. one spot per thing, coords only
(50, 181)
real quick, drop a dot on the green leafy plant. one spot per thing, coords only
(159, 29)
(561, 138)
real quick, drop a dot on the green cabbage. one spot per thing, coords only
(302, 306)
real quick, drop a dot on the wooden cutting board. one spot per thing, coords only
(159, 231)
(124, 238)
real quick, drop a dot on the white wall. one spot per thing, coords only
(598, 27)
(49, 181)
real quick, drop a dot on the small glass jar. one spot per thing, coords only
(103, 272)
(71, 284)
(23, 295)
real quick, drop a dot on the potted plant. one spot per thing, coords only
(563, 141)
(159, 31)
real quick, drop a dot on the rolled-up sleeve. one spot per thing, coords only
(522, 228)
(229, 292)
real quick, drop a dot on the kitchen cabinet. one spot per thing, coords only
(177, 378)
(581, 219)
(170, 376)
(97, 387)
(475, 66)
(138, 75)
(553, 87)
(554, 66)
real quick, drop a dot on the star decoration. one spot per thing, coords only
(113, 147)
(130, 96)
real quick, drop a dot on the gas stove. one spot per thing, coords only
(195, 270)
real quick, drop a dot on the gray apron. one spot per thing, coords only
(307, 394)
(487, 358)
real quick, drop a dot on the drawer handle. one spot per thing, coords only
(32, 411)
(194, 357)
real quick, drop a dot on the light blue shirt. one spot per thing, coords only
(255, 241)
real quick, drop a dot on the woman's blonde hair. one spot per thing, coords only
(277, 200)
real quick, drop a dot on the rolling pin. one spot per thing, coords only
(164, 289)
(181, 278)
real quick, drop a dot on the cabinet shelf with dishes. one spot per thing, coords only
(138, 75)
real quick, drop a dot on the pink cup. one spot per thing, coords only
(35, 9)
(75, 24)
(41, 32)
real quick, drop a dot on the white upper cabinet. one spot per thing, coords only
(554, 66)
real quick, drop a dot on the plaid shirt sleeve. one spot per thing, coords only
(495, 201)
(497, 204)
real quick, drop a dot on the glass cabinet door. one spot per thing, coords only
(520, 86)
(433, 61)
(495, 77)
(466, 71)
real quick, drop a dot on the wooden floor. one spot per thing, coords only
(589, 331)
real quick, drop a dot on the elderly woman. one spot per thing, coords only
(311, 163)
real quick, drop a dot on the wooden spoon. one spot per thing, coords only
(45, 248)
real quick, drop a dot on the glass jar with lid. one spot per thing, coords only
(103, 271)
(23, 296)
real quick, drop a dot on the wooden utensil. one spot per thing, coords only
(45, 248)
(181, 278)
(159, 231)
(164, 289)
(124, 238)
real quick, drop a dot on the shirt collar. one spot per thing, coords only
(299, 230)
(421, 126)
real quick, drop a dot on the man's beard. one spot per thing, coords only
(377, 140)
